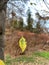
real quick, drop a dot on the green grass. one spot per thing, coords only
(27, 59)
(19, 59)
(44, 54)
(31, 58)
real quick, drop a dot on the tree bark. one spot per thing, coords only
(3, 4)
(2, 29)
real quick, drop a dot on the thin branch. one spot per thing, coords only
(45, 4)
(16, 7)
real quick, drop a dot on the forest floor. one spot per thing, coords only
(37, 58)
(36, 53)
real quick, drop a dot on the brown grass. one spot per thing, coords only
(34, 42)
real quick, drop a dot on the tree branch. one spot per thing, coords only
(45, 4)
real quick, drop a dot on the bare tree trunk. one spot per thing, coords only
(2, 29)
(3, 4)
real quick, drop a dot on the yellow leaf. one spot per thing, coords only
(1, 62)
(22, 44)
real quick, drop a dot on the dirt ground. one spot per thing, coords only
(34, 42)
